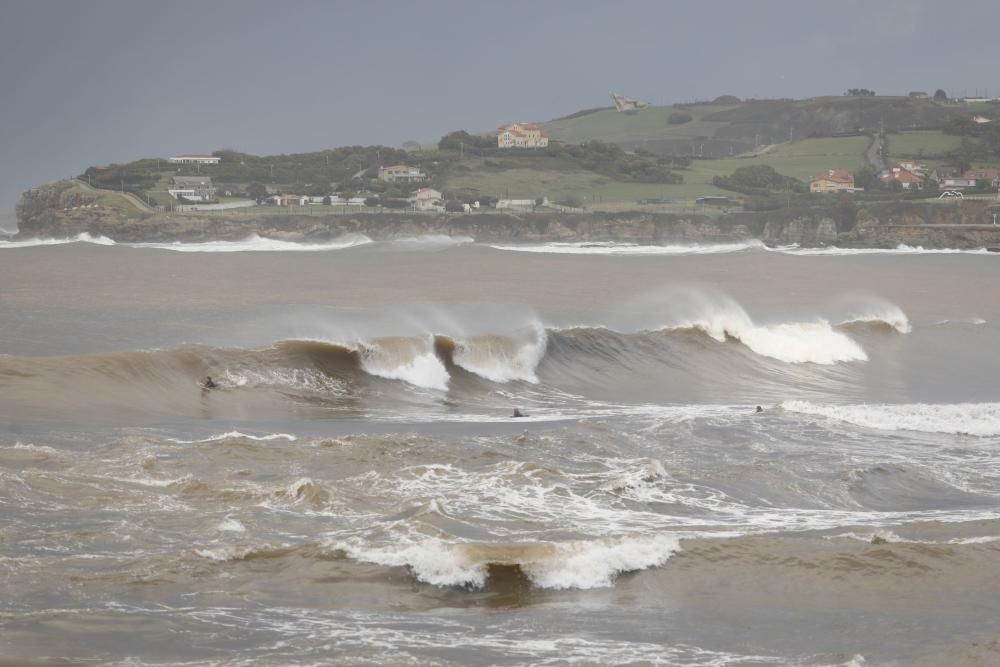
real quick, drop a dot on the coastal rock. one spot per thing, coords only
(67, 208)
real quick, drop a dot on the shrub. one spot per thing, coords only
(679, 118)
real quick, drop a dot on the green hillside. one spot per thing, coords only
(601, 157)
(650, 124)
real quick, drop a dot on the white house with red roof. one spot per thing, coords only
(522, 135)
(426, 199)
(905, 177)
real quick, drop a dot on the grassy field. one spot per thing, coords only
(107, 198)
(920, 143)
(649, 124)
(801, 159)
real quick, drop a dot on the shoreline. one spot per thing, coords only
(56, 211)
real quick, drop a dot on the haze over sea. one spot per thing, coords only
(356, 491)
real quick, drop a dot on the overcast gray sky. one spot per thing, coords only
(85, 83)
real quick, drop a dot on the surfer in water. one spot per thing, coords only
(517, 414)
(759, 409)
(209, 383)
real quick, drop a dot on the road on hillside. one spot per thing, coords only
(873, 156)
(138, 203)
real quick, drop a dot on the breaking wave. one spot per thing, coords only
(612, 248)
(581, 564)
(256, 243)
(81, 238)
(722, 318)
(978, 419)
(878, 312)
(901, 249)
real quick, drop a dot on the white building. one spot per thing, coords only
(401, 173)
(194, 159)
(425, 199)
(521, 135)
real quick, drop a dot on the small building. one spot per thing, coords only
(983, 175)
(426, 199)
(287, 200)
(919, 95)
(194, 159)
(520, 204)
(981, 120)
(904, 177)
(192, 188)
(401, 173)
(955, 183)
(521, 135)
(834, 180)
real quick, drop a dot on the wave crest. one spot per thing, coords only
(554, 565)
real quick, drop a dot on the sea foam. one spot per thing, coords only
(979, 419)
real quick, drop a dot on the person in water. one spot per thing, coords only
(760, 409)
(209, 383)
(517, 413)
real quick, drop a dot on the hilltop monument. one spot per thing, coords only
(628, 104)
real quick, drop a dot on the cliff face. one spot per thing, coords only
(60, 210)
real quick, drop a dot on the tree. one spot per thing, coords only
(257, 190)
(940, 95)
(866, 178)
(327, 200)
(454, 140)
(539, 201)
(454, 206)
(573, 201)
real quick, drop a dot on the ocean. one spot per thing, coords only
(726, 455)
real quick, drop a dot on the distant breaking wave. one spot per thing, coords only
(612, 248)
(635, 249)
(898, 250)
(81, 238)
(978, 419)
(255, 243)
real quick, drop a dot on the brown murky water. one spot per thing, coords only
(356, 491)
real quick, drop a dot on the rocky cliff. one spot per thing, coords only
(61, 210)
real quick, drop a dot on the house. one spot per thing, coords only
(425, 199)
(981, 175)
(834, 180)
(401, 173)
(287, 200)
(193, 188)
(904, 177)
(955, 183)
(521, 135)
(919, 95)
(523, 204)
(194, 159)
(915, 167)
